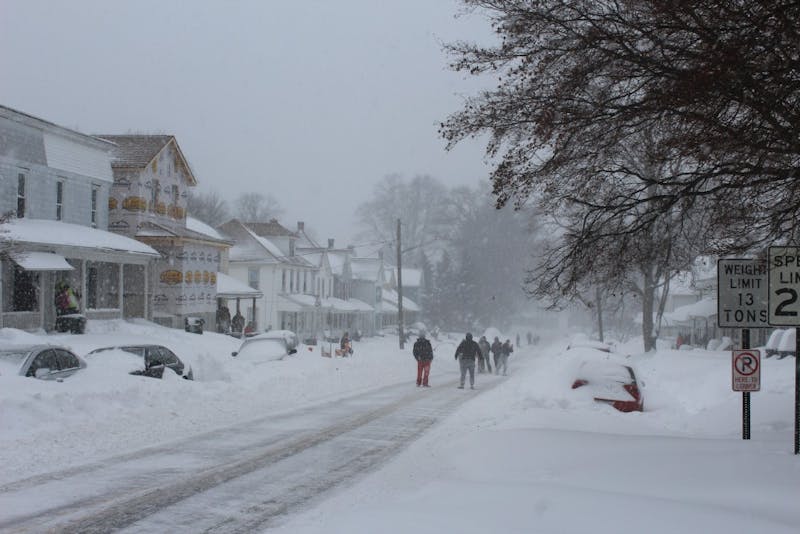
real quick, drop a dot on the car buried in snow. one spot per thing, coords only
(46, 362)
(611, 383)
(142, 360)
(264, 348)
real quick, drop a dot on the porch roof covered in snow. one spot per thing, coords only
(229, 287)
(392, 297)
(74, 240)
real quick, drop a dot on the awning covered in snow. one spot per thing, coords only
(75, 240)
(229, 287)
(41, 261)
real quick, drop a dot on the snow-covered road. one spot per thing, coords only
(234, 479)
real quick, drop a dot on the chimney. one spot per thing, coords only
(330, 242)
(301, 226)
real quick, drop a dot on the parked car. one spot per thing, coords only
(589, 343)
(46, 362)
(287, 335)
(771, 348)
(611, 383)
(152, 360)
(263, 348)
(788, 344)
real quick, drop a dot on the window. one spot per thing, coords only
(283, 280)
(59, 200)
(253, 277)
(25, 296)
(21, 195)
(291, 281)
(44, 360)
(175, 195)
(66, 360)
(305, 282)
(156, 189)
(94, 207)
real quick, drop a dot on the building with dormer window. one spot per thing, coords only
(147, 202)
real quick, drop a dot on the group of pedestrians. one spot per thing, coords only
(467, 354)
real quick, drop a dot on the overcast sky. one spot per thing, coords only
(312, 101)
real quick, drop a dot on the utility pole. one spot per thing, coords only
(400, 290)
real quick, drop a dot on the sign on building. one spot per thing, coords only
(746, 365)
(784, 284)
(742, 296)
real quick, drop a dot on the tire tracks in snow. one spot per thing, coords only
(269, 478)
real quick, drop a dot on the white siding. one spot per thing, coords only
(68, 155)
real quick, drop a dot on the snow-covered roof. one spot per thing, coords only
(365, 268)
(230, 287)
(346, 305)
(196, 225)
(391, 296)
(703, 308)
(271, 247)
(57, 233)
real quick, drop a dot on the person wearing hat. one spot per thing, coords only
(423, 353)
(466, 353)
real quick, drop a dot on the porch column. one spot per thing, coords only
(146, 267)
(2, 306)
(41, 298)
(121, 289)
(84, 295)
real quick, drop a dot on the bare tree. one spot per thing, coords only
(209, 207)
(256, 207)
(418, 203)
(577, 79)
(596, 249)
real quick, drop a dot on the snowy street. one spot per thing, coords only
(231, 480)
(321, 445)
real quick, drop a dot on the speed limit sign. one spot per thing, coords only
(784, 285)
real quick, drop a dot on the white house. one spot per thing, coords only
(56, 182)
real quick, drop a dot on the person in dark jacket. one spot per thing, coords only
(497, 352)
(466, 353)
(505, 352)
(483, 359)
(423, 353)
(345, 345)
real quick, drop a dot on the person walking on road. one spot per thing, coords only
(497, 352)
(483, 359)
(466, 353)
(505, 352)
(423, 353)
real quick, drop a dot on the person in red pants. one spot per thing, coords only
(423, 353)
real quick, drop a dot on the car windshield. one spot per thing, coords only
(14, 356)
(262, 350)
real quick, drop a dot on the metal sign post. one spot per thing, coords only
(784, 310)
(743, 302)
(746, 377)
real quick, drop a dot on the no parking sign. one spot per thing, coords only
(746, 365)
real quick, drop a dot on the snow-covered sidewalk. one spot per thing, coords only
(532, 455)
